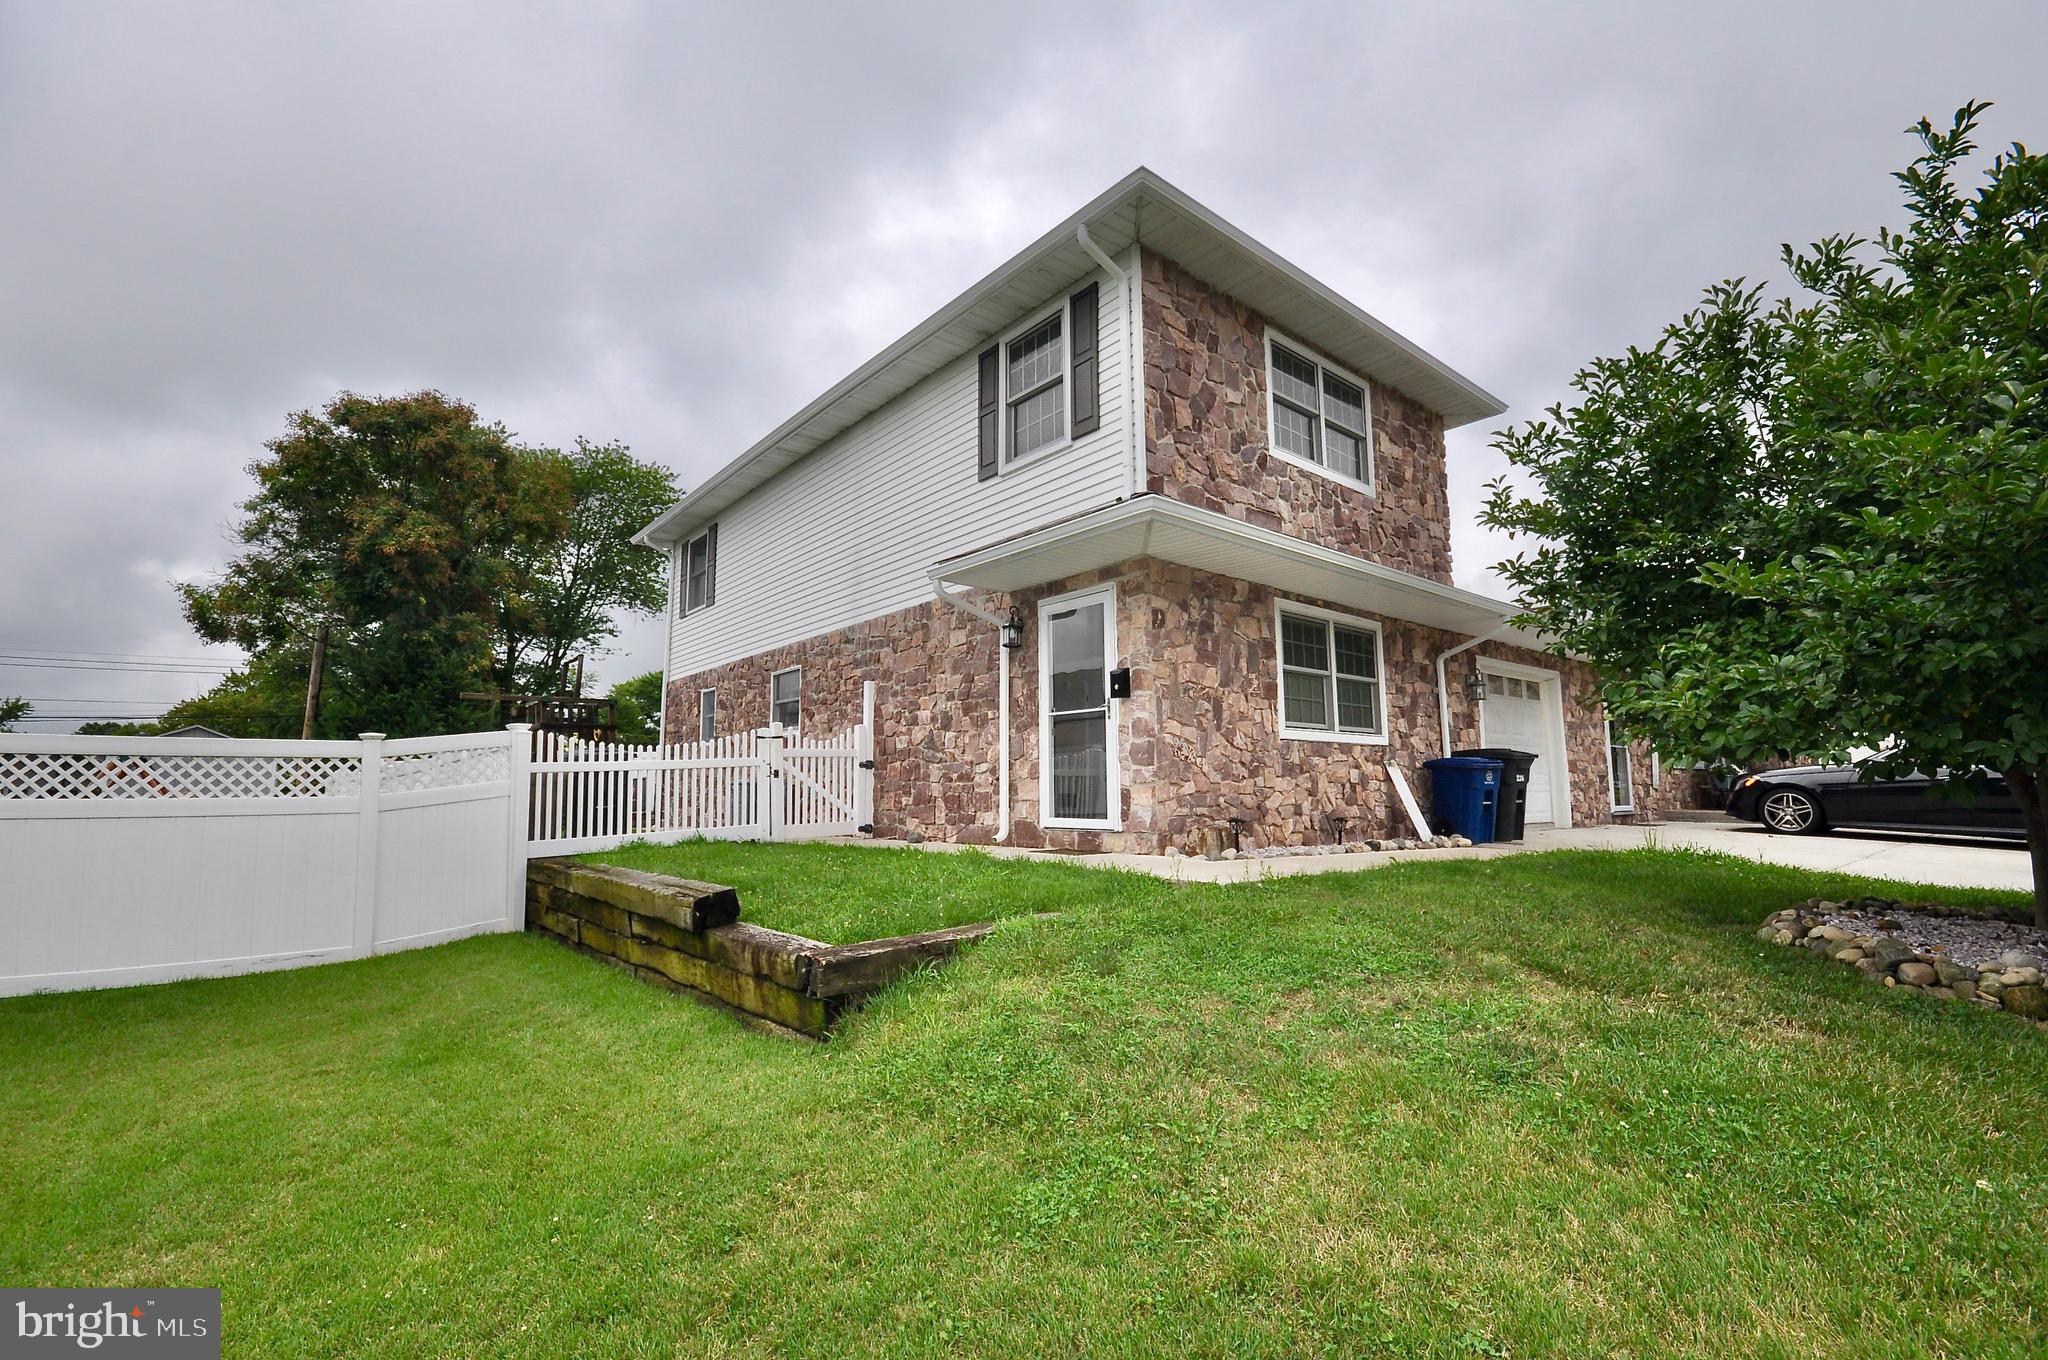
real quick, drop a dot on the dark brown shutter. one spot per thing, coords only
(991, 399)
(1087, 377)
(710, 566)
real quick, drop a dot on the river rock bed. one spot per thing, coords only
(1988, 961)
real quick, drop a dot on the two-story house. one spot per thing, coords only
(1145, 532)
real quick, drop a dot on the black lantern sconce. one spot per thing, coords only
(1475, 686)
(1013, 629)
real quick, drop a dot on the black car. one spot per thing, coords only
(1806, 798)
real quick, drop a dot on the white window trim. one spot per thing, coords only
(683, 610)
(1551, 686)
(1369, 485)
(702, 695)
(1379, 661)
(1113, 742)
(798, 672)
(1613, 794)
(1005, 459)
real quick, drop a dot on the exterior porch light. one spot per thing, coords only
(1013, 629)
(1475, 686)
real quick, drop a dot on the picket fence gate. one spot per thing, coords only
(767, 784)
(146, 859)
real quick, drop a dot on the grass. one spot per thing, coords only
(1544, 1105)
(842, 894)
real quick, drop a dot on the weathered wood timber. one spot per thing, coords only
(688, 937)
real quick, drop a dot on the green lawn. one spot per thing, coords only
(842, 894)
(1545, 1105)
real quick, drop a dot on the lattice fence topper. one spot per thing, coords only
(445, 769)
(70, 775)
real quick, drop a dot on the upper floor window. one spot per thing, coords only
(698, 586)
(785, 697)
(1320, 414)
(1330, 672)
(1036, 387)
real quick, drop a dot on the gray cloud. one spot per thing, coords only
(672, 226)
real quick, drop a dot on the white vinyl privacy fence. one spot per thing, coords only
(141, 859)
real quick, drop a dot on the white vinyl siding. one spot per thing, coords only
(850, 532)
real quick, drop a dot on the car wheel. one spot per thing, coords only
(1790, 810)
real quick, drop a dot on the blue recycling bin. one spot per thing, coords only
(1465, 794)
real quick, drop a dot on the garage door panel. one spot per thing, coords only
(1515, 716)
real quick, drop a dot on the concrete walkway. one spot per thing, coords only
(1947, 862)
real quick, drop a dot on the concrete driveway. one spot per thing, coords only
(1950, 861)
(1943, 861)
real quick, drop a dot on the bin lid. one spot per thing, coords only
(1504, 753)
(1461, 762)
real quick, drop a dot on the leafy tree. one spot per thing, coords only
(264, 699)
(13, 711)
(117, 729)
(571, 587)
(1823, 522)
(400, 522)
(638, 702)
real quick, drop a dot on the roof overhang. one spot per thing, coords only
(1153, 526)
(1141, 207)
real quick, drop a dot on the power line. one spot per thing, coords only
(77, 654)
(42, 664)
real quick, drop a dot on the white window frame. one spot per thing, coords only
(1007, 456)
(798, 672)
(707, 712)
(683, 606)
(1113, 738)
(1369, 483)
(1282, 608)
(1614, 794)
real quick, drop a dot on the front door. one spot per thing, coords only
(1077, 646)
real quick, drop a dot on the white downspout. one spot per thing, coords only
(1443, 696)
(1133, 417)
(1002, 702)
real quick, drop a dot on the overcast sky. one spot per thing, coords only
(672, 225)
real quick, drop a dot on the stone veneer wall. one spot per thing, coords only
(1207, 442)
(1198, 738)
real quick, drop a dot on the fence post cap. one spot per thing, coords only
(370, 736)
(518, 727)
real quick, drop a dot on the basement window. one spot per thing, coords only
(785, 697)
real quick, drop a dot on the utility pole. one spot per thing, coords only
(313, 676)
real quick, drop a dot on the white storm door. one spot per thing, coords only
(1078, 786)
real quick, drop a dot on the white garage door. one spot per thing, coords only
(1514, 715)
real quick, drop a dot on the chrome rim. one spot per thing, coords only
(1788, 811)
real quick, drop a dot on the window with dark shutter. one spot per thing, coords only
(1087, 370)
(989, 411)
(711, 566)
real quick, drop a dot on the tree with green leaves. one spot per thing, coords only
(572, 587)
(637, 703)
(13, 711)
(399, 522)
(1819, 523)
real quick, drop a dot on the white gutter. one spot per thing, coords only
(966, 606)
(1133, 417)
(1443, 696)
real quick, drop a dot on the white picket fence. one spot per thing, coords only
(142, 859)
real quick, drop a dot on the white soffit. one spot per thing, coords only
(1141, 206)
(1152, 526)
